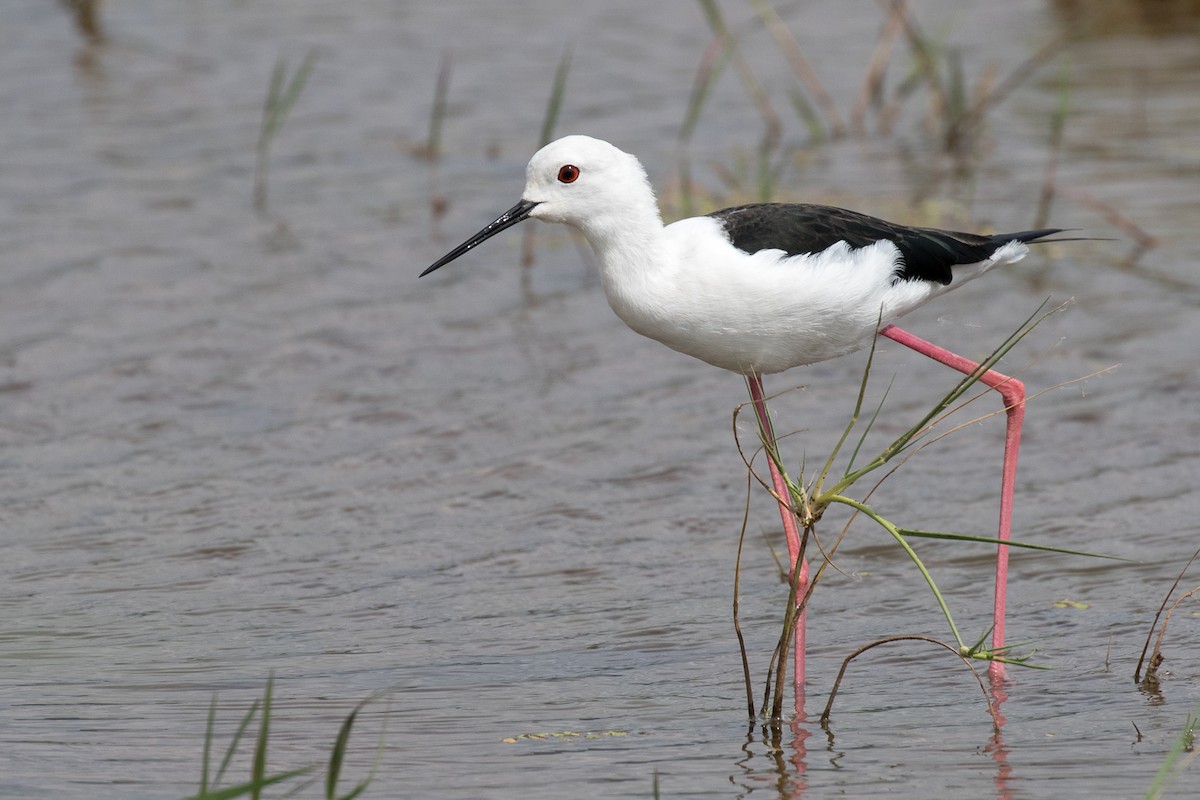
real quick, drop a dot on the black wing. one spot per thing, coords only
(928, 254)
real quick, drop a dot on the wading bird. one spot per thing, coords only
(762, 288)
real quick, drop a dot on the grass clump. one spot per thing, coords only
(810, 499)
(260, 777)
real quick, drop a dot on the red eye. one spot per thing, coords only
(568, 173)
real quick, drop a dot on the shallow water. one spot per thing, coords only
(233, 444)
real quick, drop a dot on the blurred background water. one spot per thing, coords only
(236, 442)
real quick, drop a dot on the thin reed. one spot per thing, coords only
(282, 94)
(432, 149)
(558, 90)
(1149, 680)
(955, 104)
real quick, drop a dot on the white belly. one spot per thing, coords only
(760, 314)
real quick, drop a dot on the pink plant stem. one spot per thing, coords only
(790, 528)
(1013, 393)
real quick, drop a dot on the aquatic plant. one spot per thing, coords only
(282, 94)
(260, 778)
(810, 498)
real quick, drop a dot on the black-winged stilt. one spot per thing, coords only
(763, 288)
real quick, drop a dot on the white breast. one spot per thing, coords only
(764, 312)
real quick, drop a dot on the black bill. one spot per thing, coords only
(516, 214)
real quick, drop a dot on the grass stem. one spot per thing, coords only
(282, 95)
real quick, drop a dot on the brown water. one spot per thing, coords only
(233, 443)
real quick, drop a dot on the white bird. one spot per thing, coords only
(762, 288)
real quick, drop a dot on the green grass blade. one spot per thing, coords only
(901, 443)
(252, 787)
(208, 740)
(278, 103)
(557, 92)
(281, 109)
(338, 755)
(258, 770)
(912, 554)
(278, 73)
(808, 115)
(957, 93)
(867, 428)
(965, 537)
(437, 116)
(858, 404)
(233, 744)
(819, 127)
(754, 87)
(711, 63)
(549, 122)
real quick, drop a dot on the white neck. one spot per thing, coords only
(635, 256)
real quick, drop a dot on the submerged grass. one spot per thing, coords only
(282, 94)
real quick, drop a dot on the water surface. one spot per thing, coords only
(234, 443)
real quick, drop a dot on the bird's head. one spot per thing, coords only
(576, 179)
(580, 181)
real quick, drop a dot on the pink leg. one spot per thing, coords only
(790, 529)
(1013, 393)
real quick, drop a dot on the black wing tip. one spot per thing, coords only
(1028, 237)
(1039, 236)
